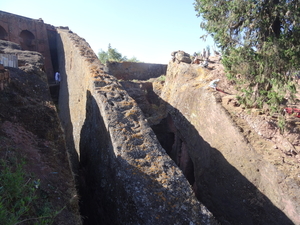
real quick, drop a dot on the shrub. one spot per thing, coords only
(19, 201)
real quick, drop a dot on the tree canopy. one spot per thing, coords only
(260, 39)
(112, 55)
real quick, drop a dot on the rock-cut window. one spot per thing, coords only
(27, 42)
(3, 34)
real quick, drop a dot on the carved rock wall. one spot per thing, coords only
(139, 71)
(231, 178)
(125, 176)
(30, 34)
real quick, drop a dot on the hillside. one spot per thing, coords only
(32, 140)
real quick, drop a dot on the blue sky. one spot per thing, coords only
(148, 30)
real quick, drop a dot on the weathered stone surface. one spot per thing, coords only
(4, 78)
(146, 93)
(132, 70)
(28, 57)
(30, 131)
(29, 61)
(126, 177)
(181, 56)
(232, 178)
(30, 34)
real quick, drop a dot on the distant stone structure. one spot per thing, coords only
(138, 71)
(30, 34)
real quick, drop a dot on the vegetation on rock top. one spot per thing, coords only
(112, 55)
(260, 42)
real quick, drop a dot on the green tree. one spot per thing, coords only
(260, 39)
(112, 55)
(133, 59)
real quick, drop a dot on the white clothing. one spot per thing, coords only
(57, 77)
(214, 83)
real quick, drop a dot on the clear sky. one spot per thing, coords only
(148, 30)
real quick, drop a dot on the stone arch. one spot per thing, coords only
(3, 34)
(27, 42)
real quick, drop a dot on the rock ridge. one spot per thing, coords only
(123, 166)
(225, 162)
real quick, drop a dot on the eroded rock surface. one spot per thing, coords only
(232, 175)
(239, 163)
(135, 71)
(125, 176)
(30, 132)
(181, 56)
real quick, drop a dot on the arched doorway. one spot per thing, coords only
(27, 42)
(3, 34)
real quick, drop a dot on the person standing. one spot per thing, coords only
(57, 77)
(203, 54)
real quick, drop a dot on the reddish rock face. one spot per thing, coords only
(30, 34)
(30, 132)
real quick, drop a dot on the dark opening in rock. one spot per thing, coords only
(3, 33)
(170, 139)
(28, 40)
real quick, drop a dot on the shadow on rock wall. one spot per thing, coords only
(64, 110)
(115, 192)
(230, 196)
(102, 196)
(95, 162)
(105, 198)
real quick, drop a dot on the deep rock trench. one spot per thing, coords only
(114, 191)
(223, 190)
(170, 140)
(220, 187)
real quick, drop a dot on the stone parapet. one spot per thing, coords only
(135, 71)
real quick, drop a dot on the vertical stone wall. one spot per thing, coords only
(30, 34)
(232, 178)
(138, 71)
(52, 38)
(124, 175)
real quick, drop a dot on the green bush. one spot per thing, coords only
(19, 200)
(260, 41)
(112, 55)
(162, 78)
